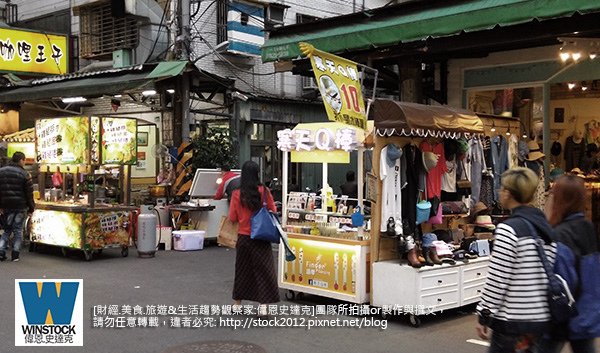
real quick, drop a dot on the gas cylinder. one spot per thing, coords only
(146, 231)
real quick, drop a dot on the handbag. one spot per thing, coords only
(423, 210)
(464, 183)
(264, 223)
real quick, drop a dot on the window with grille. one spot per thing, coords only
(302, 18)
(221, 21)
(101, 33)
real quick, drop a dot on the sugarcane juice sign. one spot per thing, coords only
(340, 86)
(320, 142)
(323, 265)
(57, 228)
(119, 142)
(62, 140)
(23, 51)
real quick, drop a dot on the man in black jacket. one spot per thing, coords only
(16, 201)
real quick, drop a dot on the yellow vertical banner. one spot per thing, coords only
(339, 83)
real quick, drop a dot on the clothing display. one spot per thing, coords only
(513, 151)
(499, 160)
(487, 191)
(475, 167)
(434, 176)
(449, 178)
(574, 152)
(392, 172)
(415, 183)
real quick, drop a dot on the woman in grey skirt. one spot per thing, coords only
(255, 276)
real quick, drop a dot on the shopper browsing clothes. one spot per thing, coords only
(566, 205)
(514, 300)
(255, 276)
(16, 201)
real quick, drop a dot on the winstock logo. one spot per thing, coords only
(49, 312)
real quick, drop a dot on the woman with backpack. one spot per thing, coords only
(514, 300)
(255, 275)
(566, 206)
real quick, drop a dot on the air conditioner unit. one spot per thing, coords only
(308, 82)
(275, 14)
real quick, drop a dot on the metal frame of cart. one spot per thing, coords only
(80, 145)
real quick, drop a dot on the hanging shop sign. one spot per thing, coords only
(340, 86)
(320, 142)
(119, 142)
(62, 140)
(28, 148)
(323, 265)
(24, 51)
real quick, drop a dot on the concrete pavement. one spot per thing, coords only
(206, 278)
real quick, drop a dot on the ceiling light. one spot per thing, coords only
(564, 56)
(584, 88)
(571, 85)
(73, 99)
(149, 92)
(171, 91)
(593, 56)
(117, 96)
(576, 56)
(524, 136)
(508, 133)
(493, 129)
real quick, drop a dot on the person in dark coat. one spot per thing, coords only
(567, 202)
(350, 188)
(16, 201)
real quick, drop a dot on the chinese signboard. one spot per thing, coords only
(339, 84)
(326, 142)
(323, 265)
(22, 51)
(62, 141)
(119, 143)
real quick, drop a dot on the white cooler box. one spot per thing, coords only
(186, 240)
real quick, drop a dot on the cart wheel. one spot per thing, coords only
(88, 255)
(124, 252)
(385, 315)
(414, 320)
(290, 295)
(63, 251)
(300, 295)
(99, 251)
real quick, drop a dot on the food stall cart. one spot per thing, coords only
(394, 282)
(84, 183)
(332, 256)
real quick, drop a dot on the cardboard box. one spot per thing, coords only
(187, 240)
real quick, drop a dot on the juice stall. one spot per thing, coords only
(84, 183)
(332, 251)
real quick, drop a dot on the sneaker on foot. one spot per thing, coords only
(15, 260)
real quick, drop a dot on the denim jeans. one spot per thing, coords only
(548, 345)
(13, 224)
(503, 343)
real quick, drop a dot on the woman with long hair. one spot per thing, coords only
(255, 275)
(567, 202)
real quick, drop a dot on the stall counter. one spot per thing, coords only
(78, 226)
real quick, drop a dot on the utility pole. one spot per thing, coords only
(184, 42)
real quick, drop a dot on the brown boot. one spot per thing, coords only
(412, 258)
(432, 254)
(428, 261)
